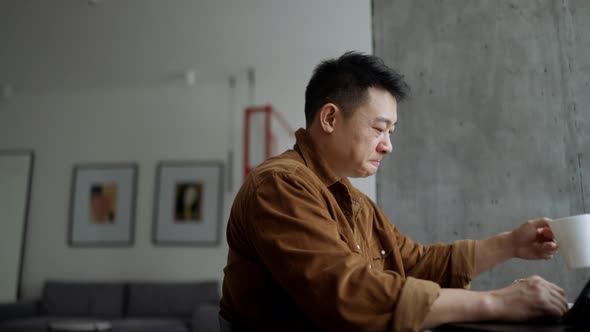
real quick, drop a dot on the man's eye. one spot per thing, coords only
(379, 130)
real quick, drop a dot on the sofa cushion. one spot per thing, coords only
(34, 324)
(148, 325)
(83, 299)
(206, 318)
(175, 299)
(15, 310)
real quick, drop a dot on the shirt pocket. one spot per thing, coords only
(345, 237)
(380, 255)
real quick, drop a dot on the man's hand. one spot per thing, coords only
(534, 240)
(524, 299)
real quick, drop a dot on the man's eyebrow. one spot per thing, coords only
(387, 121)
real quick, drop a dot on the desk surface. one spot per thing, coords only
(504, 327)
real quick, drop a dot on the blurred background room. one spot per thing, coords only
(130, 99)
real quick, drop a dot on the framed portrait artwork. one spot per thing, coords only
(188, 203)
(102, 208)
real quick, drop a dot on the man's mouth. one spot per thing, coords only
(376, 163)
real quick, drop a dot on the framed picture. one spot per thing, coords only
(102, 209)
(188, 203)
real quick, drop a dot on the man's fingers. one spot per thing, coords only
(559, 305)
(547, 233)
(540, 223)
(555, 308)
(545, 249)
(557, 298)
(549, 246)
(557, 292)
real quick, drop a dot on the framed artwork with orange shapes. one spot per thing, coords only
(102, 208)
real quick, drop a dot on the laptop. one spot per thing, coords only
(579, 313)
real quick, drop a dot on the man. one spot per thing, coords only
(309, 252)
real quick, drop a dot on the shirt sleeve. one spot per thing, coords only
(297, 238)
(449, 265)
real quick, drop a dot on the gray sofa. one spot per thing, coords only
(127, 306)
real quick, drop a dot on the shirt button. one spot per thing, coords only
(383, 252)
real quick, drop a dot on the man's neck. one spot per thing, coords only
(321, 143)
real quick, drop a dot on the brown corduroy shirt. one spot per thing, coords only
(308, 251)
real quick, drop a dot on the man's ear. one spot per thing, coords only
(328, 116)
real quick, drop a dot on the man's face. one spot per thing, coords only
(362, 139)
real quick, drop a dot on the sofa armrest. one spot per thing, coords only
(206, 317)
(14, 310)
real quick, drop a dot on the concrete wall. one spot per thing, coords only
(498, 128)
(102, 81)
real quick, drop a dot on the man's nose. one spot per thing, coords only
(385, 145)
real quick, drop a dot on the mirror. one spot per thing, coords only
(16, 168)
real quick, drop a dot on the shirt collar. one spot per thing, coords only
(305, 146)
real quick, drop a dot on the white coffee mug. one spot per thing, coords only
(573, 237)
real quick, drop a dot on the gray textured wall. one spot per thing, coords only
(497, 129)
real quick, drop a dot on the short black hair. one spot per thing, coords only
(345, 82)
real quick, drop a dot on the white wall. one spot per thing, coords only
(104, 83)
(14, 177)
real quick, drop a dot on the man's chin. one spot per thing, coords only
(364, 174)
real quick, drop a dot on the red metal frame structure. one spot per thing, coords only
(268, 112)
